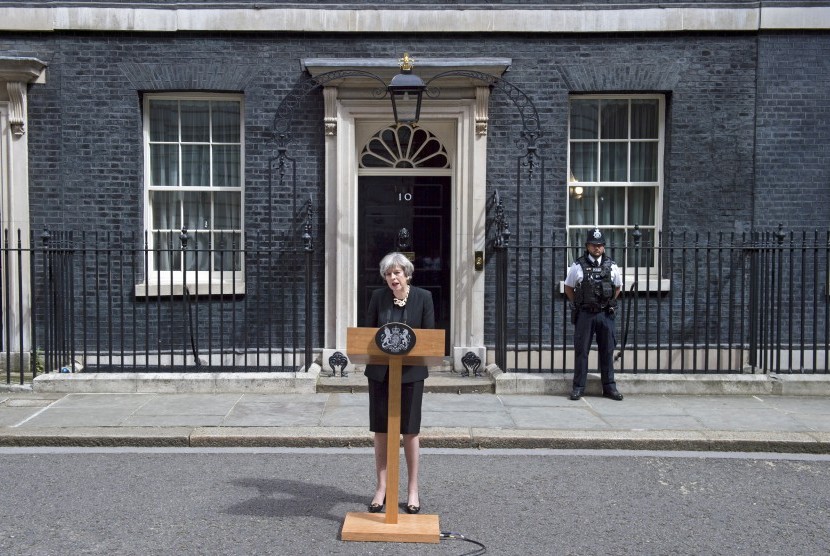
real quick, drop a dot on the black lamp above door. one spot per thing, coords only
(406, 91)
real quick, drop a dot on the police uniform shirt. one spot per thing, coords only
(575, 273)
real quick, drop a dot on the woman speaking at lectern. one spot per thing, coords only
(399, 302)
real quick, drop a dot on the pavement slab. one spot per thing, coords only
(291, 419)
(560, 418)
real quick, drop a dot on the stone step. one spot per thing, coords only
(442, 381)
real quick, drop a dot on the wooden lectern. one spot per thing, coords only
(392, 527)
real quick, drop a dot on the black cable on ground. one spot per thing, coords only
(458, 536)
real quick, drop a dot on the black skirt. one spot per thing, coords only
(412, 394)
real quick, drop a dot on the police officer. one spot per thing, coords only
(592, 286)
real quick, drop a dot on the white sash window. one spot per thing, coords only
(194, 179)
(615, 170)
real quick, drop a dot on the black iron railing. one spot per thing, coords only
(693, 303)
(174, 301)
(702, 303)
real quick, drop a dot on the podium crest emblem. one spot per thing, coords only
(395, 338)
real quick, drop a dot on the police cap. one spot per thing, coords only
(595, 237)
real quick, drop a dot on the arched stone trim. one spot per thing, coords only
(196, 76)
(622, 77)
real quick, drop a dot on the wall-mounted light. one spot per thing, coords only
(406, 91)
(576, 191)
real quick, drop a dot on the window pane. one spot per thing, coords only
(226, 252)
(164, 165)
(584, 161)
(614, 119)
(614, 162)
(196, 210)
(164, 120)
(576, 239)
(197, 256)
(614, 243)
(642, 255)
(195, 165)
(226, 211)
(226, 169)
(225, 122)
(644, 124)
(641, 205)
(611, 206)
(166, 210)
(581, 205)
(195, 121)
(407, 141)
(426, 152)
(644, 161)
(377, 155)
(647, 235)
(584, 119)
(166, 251)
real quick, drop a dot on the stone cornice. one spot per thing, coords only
(23, 70)
(386, 68)
(573, 18)
(17, 73)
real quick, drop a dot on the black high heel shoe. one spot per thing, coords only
(412, 509)
(377, 508)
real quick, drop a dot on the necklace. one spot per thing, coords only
(401, 302)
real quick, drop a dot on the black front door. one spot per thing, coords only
(387, 204)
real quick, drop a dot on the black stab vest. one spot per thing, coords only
(596, 288)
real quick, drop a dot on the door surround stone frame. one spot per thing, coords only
(16, 74)
(464, 103)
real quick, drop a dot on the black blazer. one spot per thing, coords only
(420, 313)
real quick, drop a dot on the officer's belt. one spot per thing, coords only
(593, 308)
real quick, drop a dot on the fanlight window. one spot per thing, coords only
(404, 146)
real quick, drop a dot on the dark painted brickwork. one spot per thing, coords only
(793, 137)
(86, 160)
(86, 150)
(85, 123)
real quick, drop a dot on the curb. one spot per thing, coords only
(169, 437)
(359, 437)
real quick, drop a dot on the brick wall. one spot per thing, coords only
(86, 160)
(85, 122)
(793, 133)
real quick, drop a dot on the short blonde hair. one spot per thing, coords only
(396, 259)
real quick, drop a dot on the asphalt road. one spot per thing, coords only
(283, 501)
